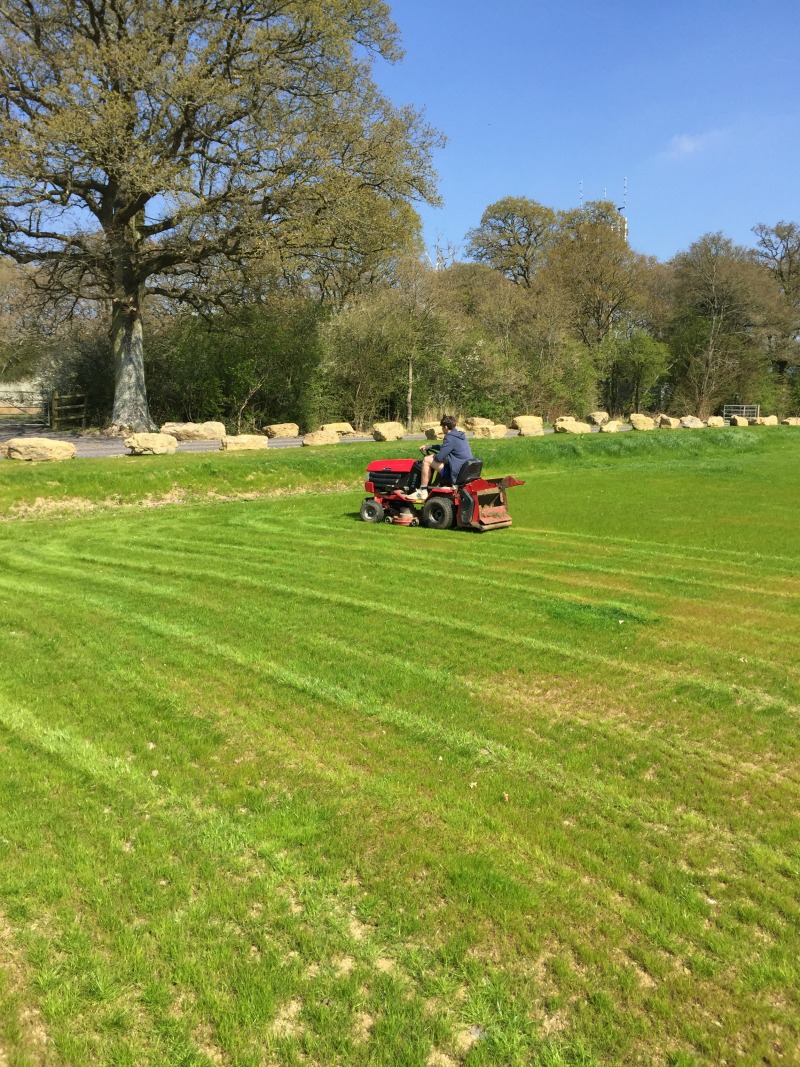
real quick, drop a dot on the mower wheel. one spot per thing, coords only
(438, 513)
(372, 511)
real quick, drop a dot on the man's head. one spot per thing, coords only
(448, 423)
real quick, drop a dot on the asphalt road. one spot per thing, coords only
(91, 447)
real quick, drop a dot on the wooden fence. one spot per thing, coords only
(67, 411)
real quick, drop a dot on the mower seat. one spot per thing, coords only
(470, 470)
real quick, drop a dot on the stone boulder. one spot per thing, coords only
(244, 442)
(338, 427)
(36, 449)
(765, 420)
(613, 426)
(433, 433)
(531, 431)
(572, 426)
(195, 431)
(641, 422)
(474, 422)
(791, 421)
(495, 431)
(715, 422)
(665, 422)
(388, 431)
(151, 444)
(282, 429)
(528, 425)
(599, 418)
(739, 420)
(691, 422)
(321, 437)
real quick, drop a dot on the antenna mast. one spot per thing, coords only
(625, 208)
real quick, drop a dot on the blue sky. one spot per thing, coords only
(697, 104)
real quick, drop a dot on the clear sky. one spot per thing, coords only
(695, 102)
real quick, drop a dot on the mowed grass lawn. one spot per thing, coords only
(279, 787)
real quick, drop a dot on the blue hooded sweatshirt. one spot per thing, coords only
(455, 451)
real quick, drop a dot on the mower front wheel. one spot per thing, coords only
(438, 513)
(372, 511)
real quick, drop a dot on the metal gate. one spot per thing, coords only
(23, 410)
(748, 411)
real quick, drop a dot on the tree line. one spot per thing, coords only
(227, 182)
(577, 322)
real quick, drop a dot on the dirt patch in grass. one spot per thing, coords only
(286, 1022)
(362, 1027)
(440, 1059)
(204, 1040)
(358, 930)
(34, 1040)
(46, 507)
(561, 698)
(643, 977)
(344, 966)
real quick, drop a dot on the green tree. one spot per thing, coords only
(365, 345)
(251, 366)
(354, 244)
(726, 308)
(483, 372)
(631, 367)
(597, 272)
(513, 237)
(156, 145)
(384, 349)
(778, 248)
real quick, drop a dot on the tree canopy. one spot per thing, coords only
(158, 145)
(513, 237)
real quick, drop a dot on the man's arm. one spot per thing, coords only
(445, 449)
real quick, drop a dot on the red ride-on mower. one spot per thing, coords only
(472, 503)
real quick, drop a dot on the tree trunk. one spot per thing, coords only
(131, 413)
(410, 394)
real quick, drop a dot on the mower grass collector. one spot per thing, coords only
(472, 503)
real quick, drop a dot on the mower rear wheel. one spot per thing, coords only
(438, 513)
(372, 511)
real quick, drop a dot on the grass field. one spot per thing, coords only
(279, 788)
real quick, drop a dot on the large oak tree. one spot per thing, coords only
(514, 236)
(160, 145)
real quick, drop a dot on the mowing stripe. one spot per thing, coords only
(726, 624)
(181, 549)
(666, 548)
(465, 743)
(583, 566)
(221, 832)
(480, 580)
(757, 698)
(480, 563)
(670, 746)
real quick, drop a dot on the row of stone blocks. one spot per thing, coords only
(691, 422)
(569, 424)
(166, 442)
